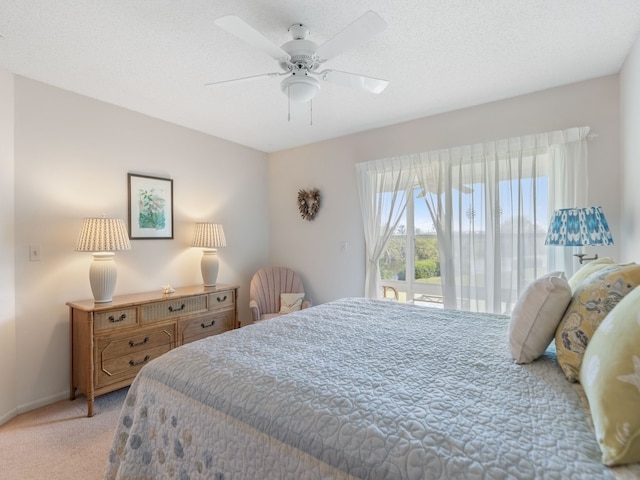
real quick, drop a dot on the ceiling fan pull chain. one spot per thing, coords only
(289, 104)
(311, 113)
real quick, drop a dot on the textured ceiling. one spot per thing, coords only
(154, 57)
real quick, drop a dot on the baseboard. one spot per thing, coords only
(27, 407)
(8, 416)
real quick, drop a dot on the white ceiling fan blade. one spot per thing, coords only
(244, 79)
(370, 84)
(241, 29)
(357, 32)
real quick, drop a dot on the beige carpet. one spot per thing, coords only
(59, 441)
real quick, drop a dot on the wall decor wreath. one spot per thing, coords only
(308, 203)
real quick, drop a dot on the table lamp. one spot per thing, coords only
(209, 236)
(103, 236)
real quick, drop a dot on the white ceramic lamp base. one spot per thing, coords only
(209, 266)
(102, 276)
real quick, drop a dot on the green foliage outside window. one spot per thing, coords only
(427, 259)
(427, 268)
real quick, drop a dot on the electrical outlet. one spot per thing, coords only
(34, 253)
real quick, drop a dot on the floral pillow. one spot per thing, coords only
(593, 299)
(610, 375)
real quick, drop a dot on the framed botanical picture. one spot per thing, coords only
(150, 207)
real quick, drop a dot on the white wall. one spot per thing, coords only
(630, 139)
(7, 253)
(72, 156)
(314, 248)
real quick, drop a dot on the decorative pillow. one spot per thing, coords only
(291, 302)
(536, 316)
(591, 302)
(594, 266)
(610, 375)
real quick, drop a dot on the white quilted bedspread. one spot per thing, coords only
(355, 389)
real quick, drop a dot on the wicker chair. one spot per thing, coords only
(266, 286)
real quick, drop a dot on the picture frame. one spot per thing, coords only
(150, 207)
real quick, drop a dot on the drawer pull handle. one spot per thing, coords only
(171, 309)
(204, 325)
(144, 360)
(113, 319)
(222, 299)
(134, 344)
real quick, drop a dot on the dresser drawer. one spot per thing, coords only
(115, 369)
(222, 299)
(153, 312)
(134, 341)
(205, 326)
(111, 319)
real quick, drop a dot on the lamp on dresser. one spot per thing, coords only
(209, 236)
(578, 227)
(103, 236)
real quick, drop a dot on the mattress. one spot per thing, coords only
(356, 388)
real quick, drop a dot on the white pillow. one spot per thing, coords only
(291, 302)
(536, 316)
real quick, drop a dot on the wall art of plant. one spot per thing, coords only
(152, 209)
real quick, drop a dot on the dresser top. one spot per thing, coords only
(120, 301)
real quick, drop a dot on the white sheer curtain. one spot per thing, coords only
(568, 185)
(490, 204)
(383, 186)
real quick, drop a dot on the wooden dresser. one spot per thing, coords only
(111, 342)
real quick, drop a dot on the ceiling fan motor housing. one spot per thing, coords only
(302, 55)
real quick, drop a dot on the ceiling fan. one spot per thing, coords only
(300, 59)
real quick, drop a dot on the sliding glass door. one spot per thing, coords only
(411, 262)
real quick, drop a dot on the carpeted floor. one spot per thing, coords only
(59, 441)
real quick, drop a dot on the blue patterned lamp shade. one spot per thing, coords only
(576, 227)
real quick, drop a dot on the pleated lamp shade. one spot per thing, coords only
(209, 236)
(103, 236)
(578, 227)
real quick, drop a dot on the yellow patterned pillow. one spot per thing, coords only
(593, 299)
(592, 267)
(610, 375)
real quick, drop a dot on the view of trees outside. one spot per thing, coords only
(427, 261)
(469, 212)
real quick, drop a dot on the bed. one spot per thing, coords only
(357, 388)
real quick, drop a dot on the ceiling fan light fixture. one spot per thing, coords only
(300, 88)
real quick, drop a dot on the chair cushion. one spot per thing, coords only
(291, 302)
